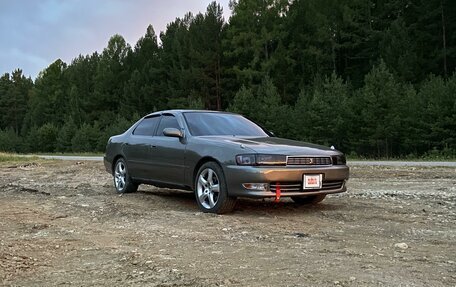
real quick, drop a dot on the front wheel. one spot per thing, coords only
(211, 191)
(312, 199)
(122, 180)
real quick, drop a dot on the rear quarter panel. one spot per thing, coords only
(113, 149)
(115, 145)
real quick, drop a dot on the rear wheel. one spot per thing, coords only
(122, 180)
(312, 199)
(210, 190)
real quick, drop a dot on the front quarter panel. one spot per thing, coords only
(198, 149)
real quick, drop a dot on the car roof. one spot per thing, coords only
(177, 111)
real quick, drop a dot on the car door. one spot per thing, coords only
(168, 156)
(140, 146)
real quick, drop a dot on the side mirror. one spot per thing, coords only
(173, 132)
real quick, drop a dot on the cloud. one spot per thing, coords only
(28, 61)
(35, 33)
(55, 12)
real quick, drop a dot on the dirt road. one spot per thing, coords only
(63, 224)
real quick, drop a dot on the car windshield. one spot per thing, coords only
(216, 124)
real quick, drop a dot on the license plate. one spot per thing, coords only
(312, 181)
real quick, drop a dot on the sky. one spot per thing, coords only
(33, 34)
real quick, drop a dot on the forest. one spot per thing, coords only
(374, 78)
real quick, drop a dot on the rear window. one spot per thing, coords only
(147, 126)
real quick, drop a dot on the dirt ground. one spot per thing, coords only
(61, 223)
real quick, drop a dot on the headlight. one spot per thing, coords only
(271, 159)
(261, 159)
(339, 160)
(246, 159)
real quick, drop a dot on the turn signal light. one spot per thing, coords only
(256, 186)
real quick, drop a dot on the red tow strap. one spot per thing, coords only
(277, 197)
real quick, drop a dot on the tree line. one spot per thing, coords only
(374, 78)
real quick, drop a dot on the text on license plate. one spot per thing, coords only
(312, 181)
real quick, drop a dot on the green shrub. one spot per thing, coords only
(43, 139)
(65, 137)
(10, 141)
(119, 126)
(85, 139)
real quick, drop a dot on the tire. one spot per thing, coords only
(122, 179)
(210, 190)
(313, 199)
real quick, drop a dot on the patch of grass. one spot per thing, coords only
(405, 158)
(436, 156)
(11, 157)
(72, 153)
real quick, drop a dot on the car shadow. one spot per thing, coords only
(173, 199)
(185, 200)
(284, 206)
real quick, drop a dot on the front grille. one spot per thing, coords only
(301, 160)
(297, 186)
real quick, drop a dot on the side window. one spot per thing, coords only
(147, 126)
(167, 121)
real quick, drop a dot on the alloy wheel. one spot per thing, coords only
(120, 176)
(208, 188)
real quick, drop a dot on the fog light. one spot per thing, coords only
(256, 186)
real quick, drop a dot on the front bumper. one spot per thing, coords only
(237, 175)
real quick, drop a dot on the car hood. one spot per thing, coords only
(275, 145)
